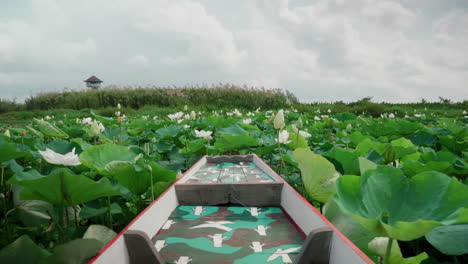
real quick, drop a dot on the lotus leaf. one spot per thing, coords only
(348, 161)
(9, 150)
(49, 130)
(228, 142)
(62, 187)
(104, 157)
(77, 251)
(23, 250)
(347, 225)
(451, 239)
(318, 174)
(379, 246)
(388, 203)
(170, 131)
(99, 232)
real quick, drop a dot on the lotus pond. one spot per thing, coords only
(396, 186)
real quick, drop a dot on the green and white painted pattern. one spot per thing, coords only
(227, 172)
(222, 234)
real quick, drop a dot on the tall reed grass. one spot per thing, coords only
(137, 97)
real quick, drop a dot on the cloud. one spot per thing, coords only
(320, 50)
(138, 60)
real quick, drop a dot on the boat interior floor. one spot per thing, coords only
(228, 234)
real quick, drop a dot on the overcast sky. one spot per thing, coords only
(322, 50)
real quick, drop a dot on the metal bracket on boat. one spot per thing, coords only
(140, 249)
(316, 248)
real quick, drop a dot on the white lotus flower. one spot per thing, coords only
(145, 117)
(155, 117)
(87, 121)
(203, 134)
(303, 133)
(349, 127)
(391, 115)
(279, 120)
(186, 126)
(69, 159)
(417, 115)
(407, 116)
(247, 121)
(7, 133)
(187, 116)
(47, 118)
(236, 112)
(176, 116)
(119, 106)
(464, 112)
(96, 128)
(316, 118)
(193, 115)
(329, 110)
(258, 110)
(283, 137)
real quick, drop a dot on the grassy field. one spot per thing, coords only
(156, 101)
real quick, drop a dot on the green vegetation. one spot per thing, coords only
(395, 185)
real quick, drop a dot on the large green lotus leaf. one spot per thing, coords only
(297, 141)
(105, 120)
(379, 246)
(77, 251)
(318, 174)
(348, 160)
(402, 147)
(170, 131)
(388, 203)
(100, 233)
(423, 138)
(357, 137)
(368, 144)
(228, 142)
(61, 146)
(49, 130)
(217, 121)
(62, 187)
(34, 212)
(99, 156)
(232, 130)
(347, 225)
(162, 174)
(9, 150)
(365, 165)
(23, 250)
(193, 145)
(413, 167)
(113, 134)
(129, 175)
(450, 240)
(89, 212)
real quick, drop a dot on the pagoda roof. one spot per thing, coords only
(93, 79)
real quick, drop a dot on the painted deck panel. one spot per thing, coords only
(229, 172)
(222, 234)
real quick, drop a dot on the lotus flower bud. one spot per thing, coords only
(299, 123)
(279, 120)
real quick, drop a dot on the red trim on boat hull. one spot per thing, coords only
(141, 214)
(345, 239)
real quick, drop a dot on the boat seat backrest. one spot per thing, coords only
(316, 248)
(265, 194)
(140, 249)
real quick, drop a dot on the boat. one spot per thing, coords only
(230, 209)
